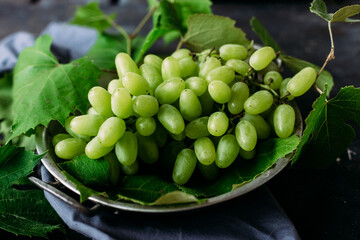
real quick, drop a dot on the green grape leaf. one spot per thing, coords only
(105, 49)
(144, 189)
(327, 133)
(45, 90)
(85, 192)
(5, 96)
(263, 34)
(175, 197)
(91, 172)
(207, 31)
(343, 14)
(91, 15)
(324, 82)
(15, 163)
(242, 172)
(27, 213)
(319, 8)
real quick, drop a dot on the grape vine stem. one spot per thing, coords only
(330, 57)
(121, 31)
(143, 22)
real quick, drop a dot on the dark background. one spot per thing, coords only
(322, 203)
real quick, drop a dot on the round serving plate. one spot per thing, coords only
(43, 137)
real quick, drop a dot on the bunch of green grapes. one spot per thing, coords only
(202, 109)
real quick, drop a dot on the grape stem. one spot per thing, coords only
(265, 87)
(143, 21)
(330, 57)
(121, 31)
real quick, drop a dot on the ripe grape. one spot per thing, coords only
(302, 81)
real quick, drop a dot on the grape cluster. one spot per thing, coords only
(205, 108)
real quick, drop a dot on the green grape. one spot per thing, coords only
(148, 151)
(262, 58)
(284, 120)
(153, 60)
(92, 111)
(178, 137)
(218, 123)
(114, 166)
(197, 128)
(205, 150)
(95, 150)
(210, 64)
(187, 67)
(69, 148)
(239, 66)
(86, 124)
(68, 130)
(145, 105)
(169, 153)
(151, 75)
(121, 103)
(170, 68)
(223, 73)
(247, 154)
(197, 84)
(219, 91)
(246, 135)
(136, 84)
(263, 129)
(184, 166)
(100, 100)
(111, 131)
(125, 64)
(273, 79)
(169, 91)
(205, 54)
(126, 148)
(207, 103)
(145, 125)
(181, 53)
(160, 135)
(114, 84)
(239, 94)
(227, 151)
(283, 89)
(233, 51)
(171, 119)
(302, 81)
(59, 137)
(258, 102)
(209, 172)
(190, 106)
(131, 169)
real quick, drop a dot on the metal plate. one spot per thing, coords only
(43, 138)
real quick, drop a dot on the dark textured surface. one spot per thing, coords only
(323, 204)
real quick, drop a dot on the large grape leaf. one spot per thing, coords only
(240, 173)
(207, 31)
(91, 15)
(91, 172)
(27, 213)
(45, 90)
(105, 49)
(324, 82)
(15, 163)
(342, 15)
(328, 133)
(23, 212)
